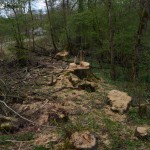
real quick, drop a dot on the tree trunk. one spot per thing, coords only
(19, 37)
(111, 40)
(79, 30)
(137, 46)
(65, 10)
(33, 40)
(51, 28)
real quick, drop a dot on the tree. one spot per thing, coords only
(32, 20)
(65, 7)
(144, 16)
(111, 39)
(50, 25)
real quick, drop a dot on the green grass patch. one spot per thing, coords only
(4, 139)
(85, 123)
(40, 148)
(134, 118)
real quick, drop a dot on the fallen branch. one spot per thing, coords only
(24, 118)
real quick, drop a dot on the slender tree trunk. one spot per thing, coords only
(137, 46)
(80, 10)
(51, 28)
(65, 10)
(33, 40)
(19, 37)
(111, 40)
(80, 6)
(68, 5)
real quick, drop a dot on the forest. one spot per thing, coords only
(74, 74)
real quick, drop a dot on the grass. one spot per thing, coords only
(134, 117)
(20, 137)
(50, 146)
(131, 145)
(120, 136)
(4, 139)
(40, 148)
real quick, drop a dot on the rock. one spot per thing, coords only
(84, 140)
(119, 101)
(141, 132)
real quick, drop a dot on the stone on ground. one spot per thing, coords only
(119, 101)
(83, 140)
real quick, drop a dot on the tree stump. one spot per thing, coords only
(81, 71)
(141, 132)
(84, 140)
(142, 110)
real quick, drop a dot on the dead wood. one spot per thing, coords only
(24, 118)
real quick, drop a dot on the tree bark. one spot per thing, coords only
(33, 40)
(51, 28)
(138, 40)
(19, 37)
(111, 40)
(65, 10)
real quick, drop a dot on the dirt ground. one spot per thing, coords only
(57, 103)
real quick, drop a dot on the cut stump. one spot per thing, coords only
(141, 132)
(84, 140)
